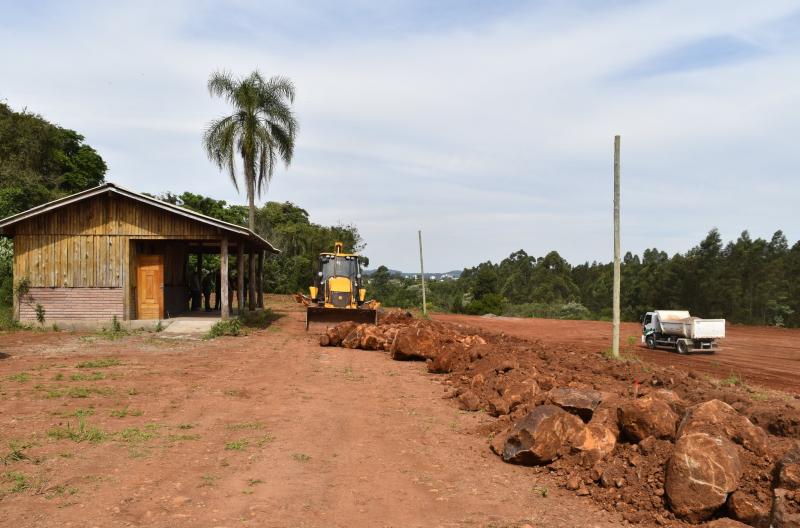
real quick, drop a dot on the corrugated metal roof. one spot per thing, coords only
(112, 188)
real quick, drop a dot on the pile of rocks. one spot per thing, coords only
(645, 452)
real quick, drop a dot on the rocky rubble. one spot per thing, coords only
(657, 445)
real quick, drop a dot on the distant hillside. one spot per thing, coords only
(453, 274)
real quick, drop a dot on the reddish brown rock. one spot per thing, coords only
(521, 392)
(336, 334)
(787, 471)
(415, 342)
(469, 401)
(443, 363)
(785, 509)
(353, 339)
(748, 508)
(595, 441)
(580, 402)
(674, 401)
(606, 415)
(647, 416)
(725, 522)
(717, 418)
(498, 407)
(700, 474)
(372, 338)
(541, 436)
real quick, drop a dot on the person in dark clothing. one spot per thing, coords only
(207, 287)
(218, 290)
(194, 289)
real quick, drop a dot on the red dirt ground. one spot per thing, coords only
(264, 430)
(760, 356)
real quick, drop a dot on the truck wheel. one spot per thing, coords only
(682, 347)
(650, 341)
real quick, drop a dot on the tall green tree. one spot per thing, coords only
(261, 129)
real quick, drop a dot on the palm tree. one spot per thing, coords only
(261, 129)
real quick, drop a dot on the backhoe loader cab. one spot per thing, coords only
(338, 293)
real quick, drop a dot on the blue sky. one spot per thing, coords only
(488, 125)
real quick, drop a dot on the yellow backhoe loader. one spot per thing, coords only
(338, 293)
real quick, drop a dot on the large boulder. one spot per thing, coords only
(541, 436)
(647, 416)
(580, 402)
(372, 338)
(717, 418)
(415, 342)
(701, 472)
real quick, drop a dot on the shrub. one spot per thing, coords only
(229, 327)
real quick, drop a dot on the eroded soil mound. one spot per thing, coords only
(655, 444)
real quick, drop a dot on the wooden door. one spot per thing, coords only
(150, 287)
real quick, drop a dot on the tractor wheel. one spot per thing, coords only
(650, 341)
(682, 346)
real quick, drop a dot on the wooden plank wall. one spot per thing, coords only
(86, 245)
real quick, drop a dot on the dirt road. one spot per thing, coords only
(760, 356)
(264, 430)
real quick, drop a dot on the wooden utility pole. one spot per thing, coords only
(422, 273)
(615, 324)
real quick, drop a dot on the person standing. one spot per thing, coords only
(194, 288)
(218, 290)
(207, 287)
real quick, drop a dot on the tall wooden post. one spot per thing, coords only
(223, 278)
(260, 277)
(616, 301)
(251, 295)
(240, 277)
(422, 273)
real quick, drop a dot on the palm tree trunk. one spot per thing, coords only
(250, 181)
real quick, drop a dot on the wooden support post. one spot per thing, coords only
(260, 276)
(616, 300)
(422, 272)
(239, 277)
(251, 294)
(223, 278)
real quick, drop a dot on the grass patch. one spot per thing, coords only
(20, 377)
(733, 380)
(84, 433)
(265, 439)
(237, 445)
(94, 376)
(208, 481)
(183, 437)
(19, 482)
(135, 435)
(301, 457)
(254, 482)
(229, 327)
(16, 452)
(99, 363)
(243, 426)
(126, 411)
(186, 426)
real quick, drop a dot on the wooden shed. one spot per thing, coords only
(108, 251)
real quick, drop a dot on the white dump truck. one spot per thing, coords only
(678, 330)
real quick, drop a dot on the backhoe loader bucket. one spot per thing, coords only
(316, 314)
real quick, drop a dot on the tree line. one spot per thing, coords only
(749, 281)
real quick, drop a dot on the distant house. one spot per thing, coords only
(108, 251)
